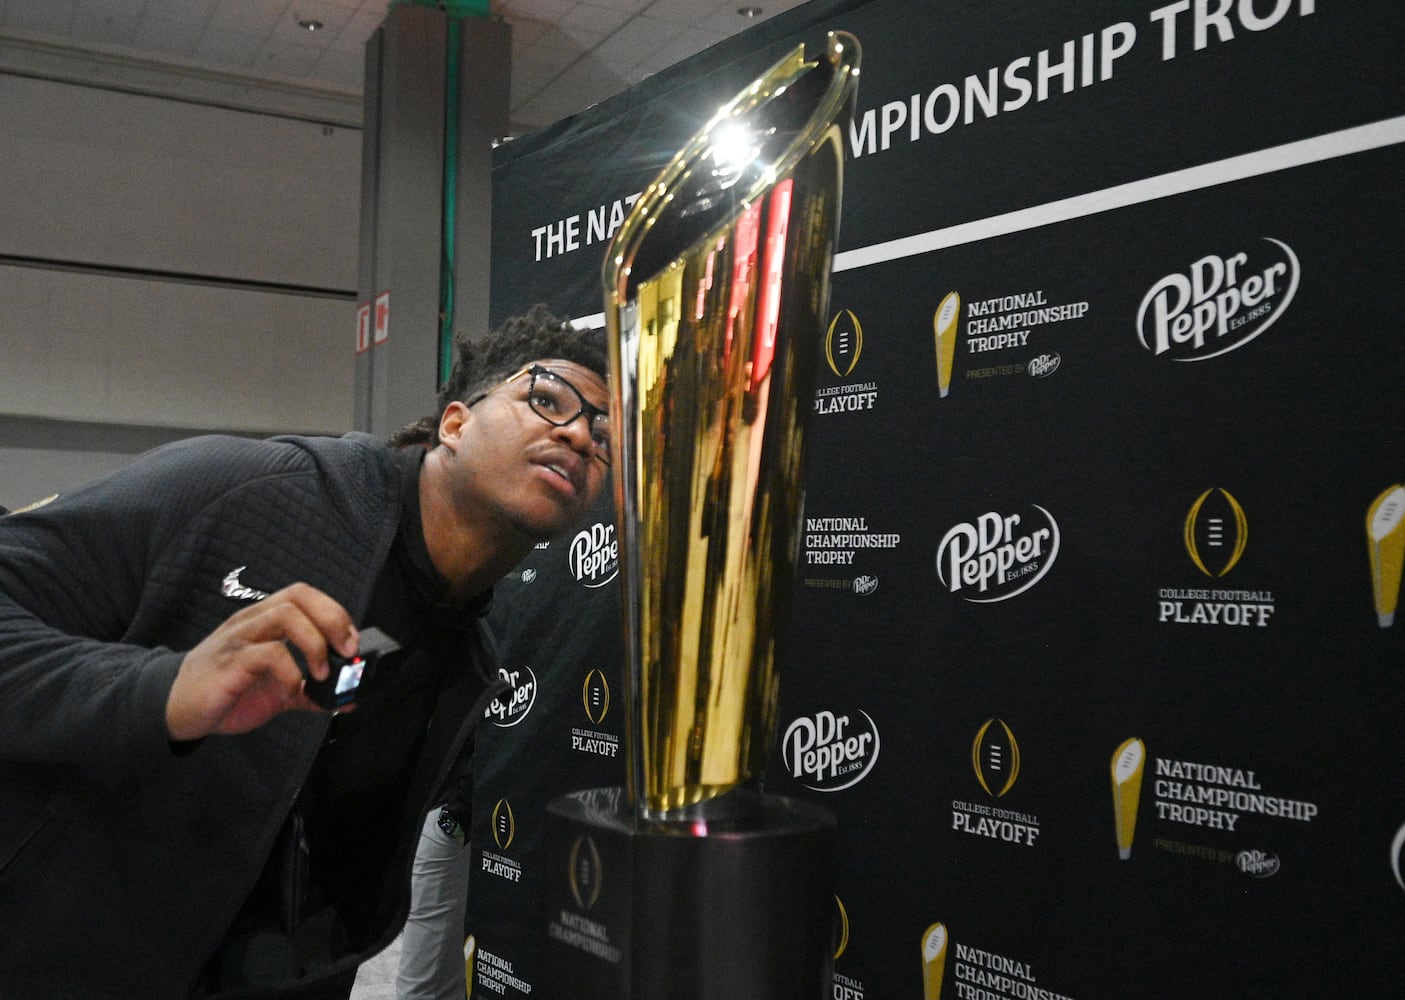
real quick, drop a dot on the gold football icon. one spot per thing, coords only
(1216, 532)
(1128, 764)
(1385, 537)
(934, 941)
(944, 326)
(843, 343)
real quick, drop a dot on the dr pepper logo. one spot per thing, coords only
(1218, 304)
(996, 555)
(828, 752)
(594, 555)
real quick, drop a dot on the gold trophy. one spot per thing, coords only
(716, 302)
(946, 321)
(1128, 765)
(934, 941)
(1385, 537)
(716, 295)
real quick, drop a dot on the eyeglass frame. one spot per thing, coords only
(587, 409)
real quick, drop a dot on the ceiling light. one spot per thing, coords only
(310, 24)
(749, 12)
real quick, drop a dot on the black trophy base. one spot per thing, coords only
(636, 912)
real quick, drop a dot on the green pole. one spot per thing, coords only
(455, 10)
(449, 213)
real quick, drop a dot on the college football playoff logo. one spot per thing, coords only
(1216, 532)
(843, 343)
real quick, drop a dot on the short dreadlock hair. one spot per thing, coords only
(478, 367)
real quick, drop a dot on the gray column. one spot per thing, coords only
(402, 210)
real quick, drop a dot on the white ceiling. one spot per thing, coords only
(566, 55)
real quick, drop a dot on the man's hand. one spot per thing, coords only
(243, 674)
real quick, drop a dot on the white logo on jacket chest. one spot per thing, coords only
(231, 587)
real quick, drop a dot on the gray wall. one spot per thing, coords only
(166, 268)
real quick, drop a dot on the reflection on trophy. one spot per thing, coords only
(716, 297)
(1128, 764)
(1385, 536)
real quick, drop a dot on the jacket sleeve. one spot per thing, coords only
(73, 688)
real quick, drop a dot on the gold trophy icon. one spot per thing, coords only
(945, 323)
(1128, 763)
(716, 303)
(1385, 538)
(934, 940)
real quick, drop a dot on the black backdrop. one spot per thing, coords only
(1184, 529)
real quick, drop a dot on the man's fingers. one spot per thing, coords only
(308, 620)
(244, 672)
(330, 618)
(302, 638)
(277, 661)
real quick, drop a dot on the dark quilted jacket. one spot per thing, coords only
(123, 858)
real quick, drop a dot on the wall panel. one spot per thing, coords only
(1088, 607)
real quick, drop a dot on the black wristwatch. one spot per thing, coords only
(449, 823)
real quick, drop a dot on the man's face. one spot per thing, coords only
(511, 462)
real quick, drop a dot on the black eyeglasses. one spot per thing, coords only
(558, 402)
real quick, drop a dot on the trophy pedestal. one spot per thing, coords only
(637, 912)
